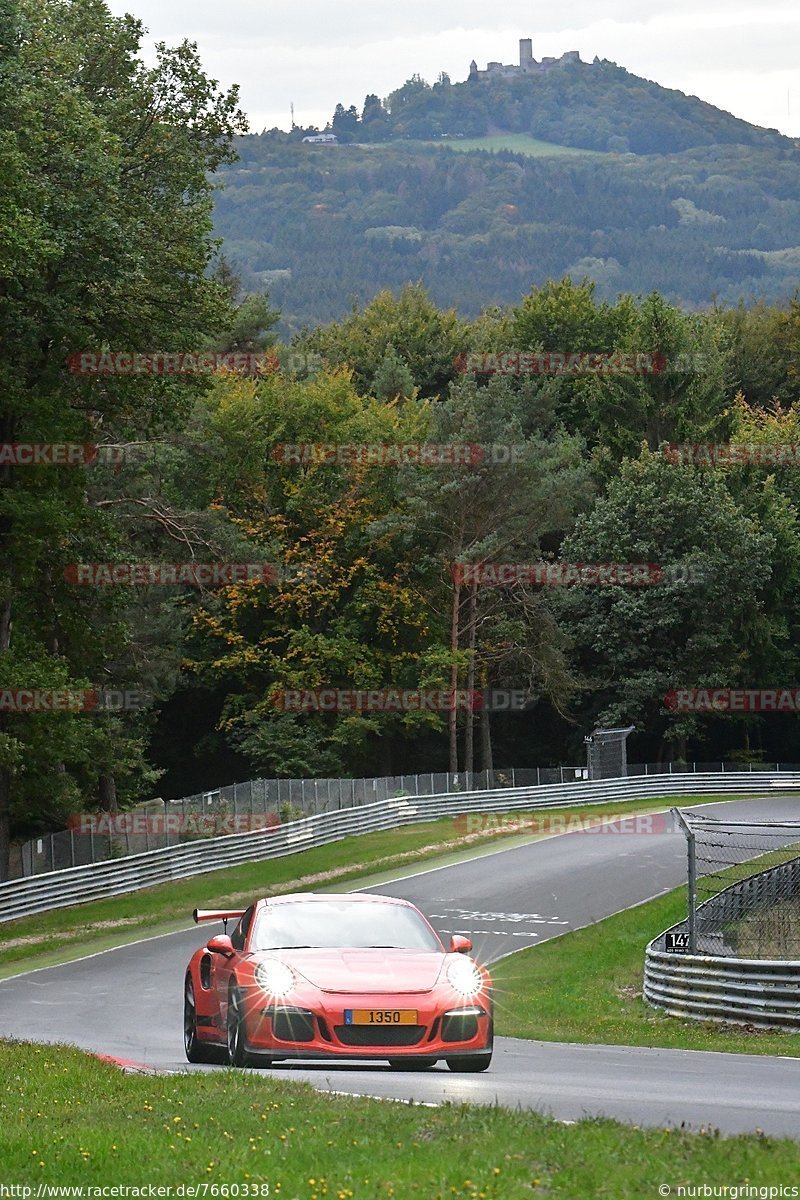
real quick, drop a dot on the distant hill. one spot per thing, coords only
(592, 106)
(682, 197)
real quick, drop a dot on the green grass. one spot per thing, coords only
(67, 1119)
(520, 143)
(586, 987)
(66, 933)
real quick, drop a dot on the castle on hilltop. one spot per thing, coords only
(527, 63)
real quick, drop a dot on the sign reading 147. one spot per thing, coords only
(676, 942)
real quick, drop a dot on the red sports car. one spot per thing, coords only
(336, 976)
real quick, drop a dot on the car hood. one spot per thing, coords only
(366, 971)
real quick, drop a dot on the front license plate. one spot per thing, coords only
(380, 1016)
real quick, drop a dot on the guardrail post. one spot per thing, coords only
(692, 887)
(691, 877)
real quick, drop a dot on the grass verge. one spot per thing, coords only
(63, 933)
(69, 1119)
(586, 986)
(520, 143)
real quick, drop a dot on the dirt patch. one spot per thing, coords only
(71, 935)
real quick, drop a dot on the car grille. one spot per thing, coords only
(458, 1028)
(292, 1025)
(379, 1035)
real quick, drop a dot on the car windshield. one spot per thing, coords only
(340, 924)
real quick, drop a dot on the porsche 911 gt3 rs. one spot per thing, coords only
(336, 976)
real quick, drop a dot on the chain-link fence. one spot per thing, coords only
(257, 803)
(606, 752)
(252, 805)
(744, 889)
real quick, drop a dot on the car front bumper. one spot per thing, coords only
(318, 1029)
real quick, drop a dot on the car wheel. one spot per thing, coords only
(196, 1051)
(474, 1062)
(417, 1062)
(470, 1062)
(238, 1054)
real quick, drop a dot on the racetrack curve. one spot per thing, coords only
(127, 1002)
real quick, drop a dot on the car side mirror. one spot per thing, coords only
(460, 944)
(221, 944)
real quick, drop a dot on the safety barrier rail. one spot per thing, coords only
(764, 992)
(702, 987)
(76, 885)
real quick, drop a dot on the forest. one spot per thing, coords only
(325, 227)
(319, 570)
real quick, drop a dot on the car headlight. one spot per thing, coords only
(464, 977)
(275, 978)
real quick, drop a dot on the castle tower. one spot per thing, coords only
(473, 70)
(525, 53)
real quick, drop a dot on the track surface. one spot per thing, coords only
(128, 1002)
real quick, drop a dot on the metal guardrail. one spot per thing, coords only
(748, 991)
(76, 885)
(764, 992)
(175, 822)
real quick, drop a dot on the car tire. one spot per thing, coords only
(418, 1062)
(470, 1062)
(238, 1054)
(474, 1062)
(195, 1050)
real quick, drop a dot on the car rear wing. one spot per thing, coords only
(214, 914)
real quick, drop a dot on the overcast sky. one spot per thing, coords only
(315, 53)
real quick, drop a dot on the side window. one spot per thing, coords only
(239, 935)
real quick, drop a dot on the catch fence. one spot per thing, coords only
(736, 956)
(238, 806)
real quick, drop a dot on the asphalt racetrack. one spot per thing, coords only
(127, 1002)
